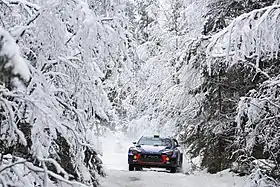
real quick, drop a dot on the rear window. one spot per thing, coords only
(155, 141)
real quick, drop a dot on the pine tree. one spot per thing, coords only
(241, 59)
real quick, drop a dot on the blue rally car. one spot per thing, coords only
(155, 151)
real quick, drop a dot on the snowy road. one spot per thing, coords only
(121, 178)
(116, 167)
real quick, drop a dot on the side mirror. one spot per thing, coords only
(134, 143)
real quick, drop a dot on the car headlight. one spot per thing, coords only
(168, 152)
(134, 150)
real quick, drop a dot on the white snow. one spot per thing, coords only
(114, 158)
(161, 178)
(11, 50)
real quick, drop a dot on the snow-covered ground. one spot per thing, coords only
(115, 148)
(147, 178)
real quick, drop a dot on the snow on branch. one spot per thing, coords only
(23, 2)
(31, 174)
(254, 34)
(10, 50)
(12, 121)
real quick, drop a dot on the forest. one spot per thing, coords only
(204, 71)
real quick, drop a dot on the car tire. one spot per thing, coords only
(180, 168)
(173, 169)
(181, 164)
(131, 167)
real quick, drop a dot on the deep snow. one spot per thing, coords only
(114, 157)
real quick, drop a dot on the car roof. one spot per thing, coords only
(149, 136)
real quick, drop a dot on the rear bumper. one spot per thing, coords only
(164, 164)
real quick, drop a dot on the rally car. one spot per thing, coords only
(155, 151)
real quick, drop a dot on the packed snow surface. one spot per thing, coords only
(115, 163)
(161, 178)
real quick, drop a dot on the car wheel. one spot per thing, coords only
(131, 167)
(173, 169)
(181, 164)
(180, 168)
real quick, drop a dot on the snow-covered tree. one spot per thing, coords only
(162, 102)
(241, 60)
(77, 51)
(156, 66)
